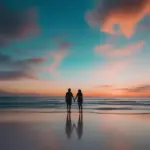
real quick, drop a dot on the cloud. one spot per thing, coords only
(125, 13)
(15, 75)
(117, 59)
(104, 86)
(6, 93)
(29, 63)
(3, 92)
(17, 24)
(143, 88)
(109, 50)
(11, 69)
(58, 56)
(65, 45)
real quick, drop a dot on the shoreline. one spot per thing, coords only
(74, 111)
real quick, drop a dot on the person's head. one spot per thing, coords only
(79, 91)
(69, 90)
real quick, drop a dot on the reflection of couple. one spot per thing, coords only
(69, 97)
(70, 127)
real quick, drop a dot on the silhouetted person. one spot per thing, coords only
(69, 127)
(79, 128)
(79, 97)
(69, 97)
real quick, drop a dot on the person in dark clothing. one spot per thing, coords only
(80, 100)
(69, 97)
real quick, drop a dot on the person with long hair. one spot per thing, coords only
(79, 98)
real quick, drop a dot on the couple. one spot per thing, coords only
(69, 97)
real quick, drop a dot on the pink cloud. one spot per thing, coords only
(109, 50)
(126, 13)
(58, 56)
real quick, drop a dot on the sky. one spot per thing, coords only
(99, 46)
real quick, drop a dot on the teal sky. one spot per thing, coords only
(53, 45)
(61, 20)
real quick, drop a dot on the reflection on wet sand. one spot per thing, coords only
(79, 127)
(44, 131)
(70, 127)
(117, 138)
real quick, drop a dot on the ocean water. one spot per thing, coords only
(98, 104)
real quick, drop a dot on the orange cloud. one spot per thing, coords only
(108, 50)
(105, 86)
(132, 91)
(126, 13)
(142, 90)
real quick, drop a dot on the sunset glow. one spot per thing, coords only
(101, 47)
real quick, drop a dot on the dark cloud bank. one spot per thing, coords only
(11, 69)
(16, 24)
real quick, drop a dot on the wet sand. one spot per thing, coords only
(61, 131)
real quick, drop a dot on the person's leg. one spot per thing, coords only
(81, 107)
(67, 107)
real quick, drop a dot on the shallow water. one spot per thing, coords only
(97, 104)
(56, 131)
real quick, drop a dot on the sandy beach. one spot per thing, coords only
(59, 131)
